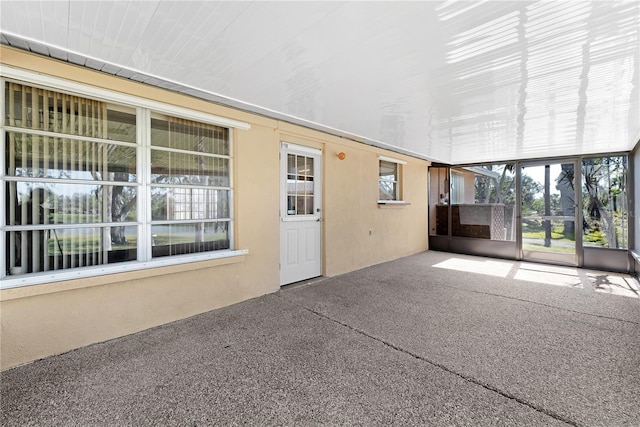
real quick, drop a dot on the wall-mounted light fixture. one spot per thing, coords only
(341, 155)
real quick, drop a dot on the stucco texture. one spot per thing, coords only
(51, 318)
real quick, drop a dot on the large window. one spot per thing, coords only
(80, 176)
(604, 202)
(481, 201)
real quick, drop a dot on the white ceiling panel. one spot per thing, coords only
(109, 30)
(454, 81)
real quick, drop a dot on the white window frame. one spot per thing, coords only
(400, 180)
(144, 107)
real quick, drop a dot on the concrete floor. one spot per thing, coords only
(432, 339)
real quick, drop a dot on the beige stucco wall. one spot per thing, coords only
(42, 320)
(357, 231)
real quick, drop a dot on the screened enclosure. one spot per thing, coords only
(572, 211)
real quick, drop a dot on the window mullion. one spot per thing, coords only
(231, 224)
(144, 192)
(3, 235)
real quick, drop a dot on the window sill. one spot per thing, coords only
(392, 203)
(23, 286)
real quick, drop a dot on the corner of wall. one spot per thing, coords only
(634, 172)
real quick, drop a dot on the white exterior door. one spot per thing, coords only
(300, 213)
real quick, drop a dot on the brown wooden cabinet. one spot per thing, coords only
(482, 221)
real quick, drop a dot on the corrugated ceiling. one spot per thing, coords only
(453, 81)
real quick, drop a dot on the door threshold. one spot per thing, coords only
(549, 262)
(302, 283)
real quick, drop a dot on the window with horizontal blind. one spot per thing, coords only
(389, 179)
(89, 183)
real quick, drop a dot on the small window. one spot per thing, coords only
(457, 187)
(390, 180)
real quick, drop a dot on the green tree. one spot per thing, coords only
(531, 190)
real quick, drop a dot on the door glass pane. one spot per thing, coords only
(300, 185)
(291, 164)
(309, 205)
(309, 167)
(301, 165)
(291, 205)
(548, 210)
